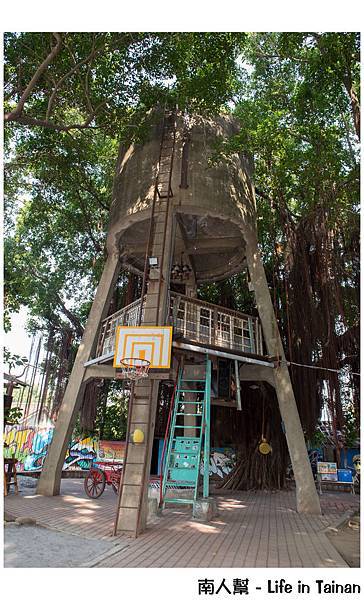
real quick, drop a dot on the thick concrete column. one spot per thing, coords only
(249, 372)
(50, 478)
(133, 507)
(306, 494)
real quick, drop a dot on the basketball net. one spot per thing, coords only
(133, 369)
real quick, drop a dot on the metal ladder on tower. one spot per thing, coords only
(161, 201)
(166, 155)
(183, 456)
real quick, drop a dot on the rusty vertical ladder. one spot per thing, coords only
(159, 218)
(162, 194)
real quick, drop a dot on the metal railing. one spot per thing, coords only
(127, 316)
(200, 321)
(197, 321)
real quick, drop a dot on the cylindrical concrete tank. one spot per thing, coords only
(213, 201)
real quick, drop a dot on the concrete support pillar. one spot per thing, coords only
(133, 509)
(50, 478)
(132, 513)
(249, 372)
(307, 497)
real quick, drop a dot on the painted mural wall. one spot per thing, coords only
(222, 461)
(29, 442)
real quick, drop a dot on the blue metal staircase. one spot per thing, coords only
(184, 453)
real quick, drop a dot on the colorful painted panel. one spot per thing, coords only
(222, 460)
(110, 450)
(29, 443)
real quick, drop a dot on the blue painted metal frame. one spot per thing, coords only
(189, 475)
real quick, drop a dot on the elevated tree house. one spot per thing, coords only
(179, 221)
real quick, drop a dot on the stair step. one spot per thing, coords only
(179, 500)
(186, 484)
(183, 468)
(190, 401)
(184, 452)
(187, 426)
(192, 452)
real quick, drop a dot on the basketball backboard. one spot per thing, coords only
(147, 342)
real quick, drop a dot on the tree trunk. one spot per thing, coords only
(307, 498)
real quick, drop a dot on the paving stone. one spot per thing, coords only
(25, 521)
(252, 529)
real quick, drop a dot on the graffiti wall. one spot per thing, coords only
(222, 461)
(29, 442)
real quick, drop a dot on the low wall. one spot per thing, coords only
(29, 443)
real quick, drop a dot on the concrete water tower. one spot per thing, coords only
(175, 209)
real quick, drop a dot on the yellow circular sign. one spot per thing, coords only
(264, 447)
(138, 436)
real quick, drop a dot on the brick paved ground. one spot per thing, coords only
(252, 530)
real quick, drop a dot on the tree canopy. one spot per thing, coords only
(72, 98)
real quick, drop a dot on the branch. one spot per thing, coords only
(25, 120)
(70, 316)
(96, 244)
(15, 114)
(88, 189)
(90, 58)
(76, 67)
(277, 205)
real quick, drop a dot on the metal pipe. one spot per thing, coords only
(201, 350)
(238, 388)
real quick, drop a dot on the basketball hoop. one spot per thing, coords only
(134, 368)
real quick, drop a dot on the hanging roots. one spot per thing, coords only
(243, 429)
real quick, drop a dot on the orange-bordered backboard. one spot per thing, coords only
(147, 342)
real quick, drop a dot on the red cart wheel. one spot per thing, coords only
(115, 480)
(94, 483)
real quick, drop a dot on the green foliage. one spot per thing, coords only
(109, 80)
(12, 416)
(111, 419)
(351, 429)
(14, 360)
(297, 98)
(58, 173)
(318, 439)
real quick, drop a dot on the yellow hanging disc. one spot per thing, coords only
(264, 447)
(138, 436)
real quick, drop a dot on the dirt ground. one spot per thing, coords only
(347, 541)
(34, 546)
